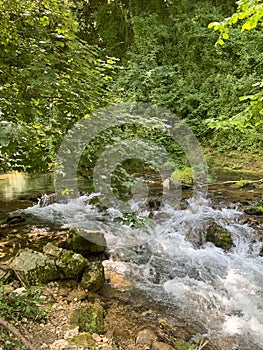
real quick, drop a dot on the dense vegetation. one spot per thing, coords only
(60, 60)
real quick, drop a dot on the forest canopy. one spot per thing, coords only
(61, 60)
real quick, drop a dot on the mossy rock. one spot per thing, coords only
(93, 277)
(219, 236)
(85, 241)
(34, 267)
(83, 340)
(254, 210)
(183, 176)
(70, 264)
(52, 250)
(89, 319)
(182, 345)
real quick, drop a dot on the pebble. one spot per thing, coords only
(71, 333)
(161, 346)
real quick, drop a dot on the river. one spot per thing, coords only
(220, 291)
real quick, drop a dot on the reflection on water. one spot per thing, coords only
(15, 184)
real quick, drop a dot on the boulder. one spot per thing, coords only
(93, 277)
(70, 264)
(86, 241)
(219, 236)
(88, 319)
(34, 267)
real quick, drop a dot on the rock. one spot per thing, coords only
(219, 236)
(34, 267)
(70, 264)
(182, 345)
(93, 277)
(14, 220)
(51, 249)
(60, 344)
(83, 340)
(117, 280)
(86, 241)
(76, 295)
(162, 346)
(254, 210)
(89, 319)
(71, 333)
(46, 200)
(146, 336)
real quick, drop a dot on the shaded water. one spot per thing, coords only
(222, 292)
(14, 185)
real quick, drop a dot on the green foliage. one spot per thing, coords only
(24, 305)
(7, 343)
(16, 307)
(49, 80)
(171, 63)
(135, 221)
(249, 13)
(185, 176)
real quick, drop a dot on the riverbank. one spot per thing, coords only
(128, 311)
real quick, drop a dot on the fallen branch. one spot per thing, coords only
(17, 334)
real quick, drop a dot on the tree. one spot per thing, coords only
(49, 79)
(249, 14)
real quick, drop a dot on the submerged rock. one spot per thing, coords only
(86, 241)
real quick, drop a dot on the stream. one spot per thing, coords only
(222, 292)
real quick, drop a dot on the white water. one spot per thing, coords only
(223, 292)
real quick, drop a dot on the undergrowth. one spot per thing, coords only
(17, 308)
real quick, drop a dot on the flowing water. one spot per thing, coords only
(220, 291)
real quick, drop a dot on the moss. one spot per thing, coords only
(241, 184)
(257, 210)
(219, 236)
(185, 176)
(70, 264)
(84, 340)
(93, 277)
(182, 345)
(89, 319)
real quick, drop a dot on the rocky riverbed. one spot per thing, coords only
(120, 315)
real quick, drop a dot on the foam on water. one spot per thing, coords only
(221, 291)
